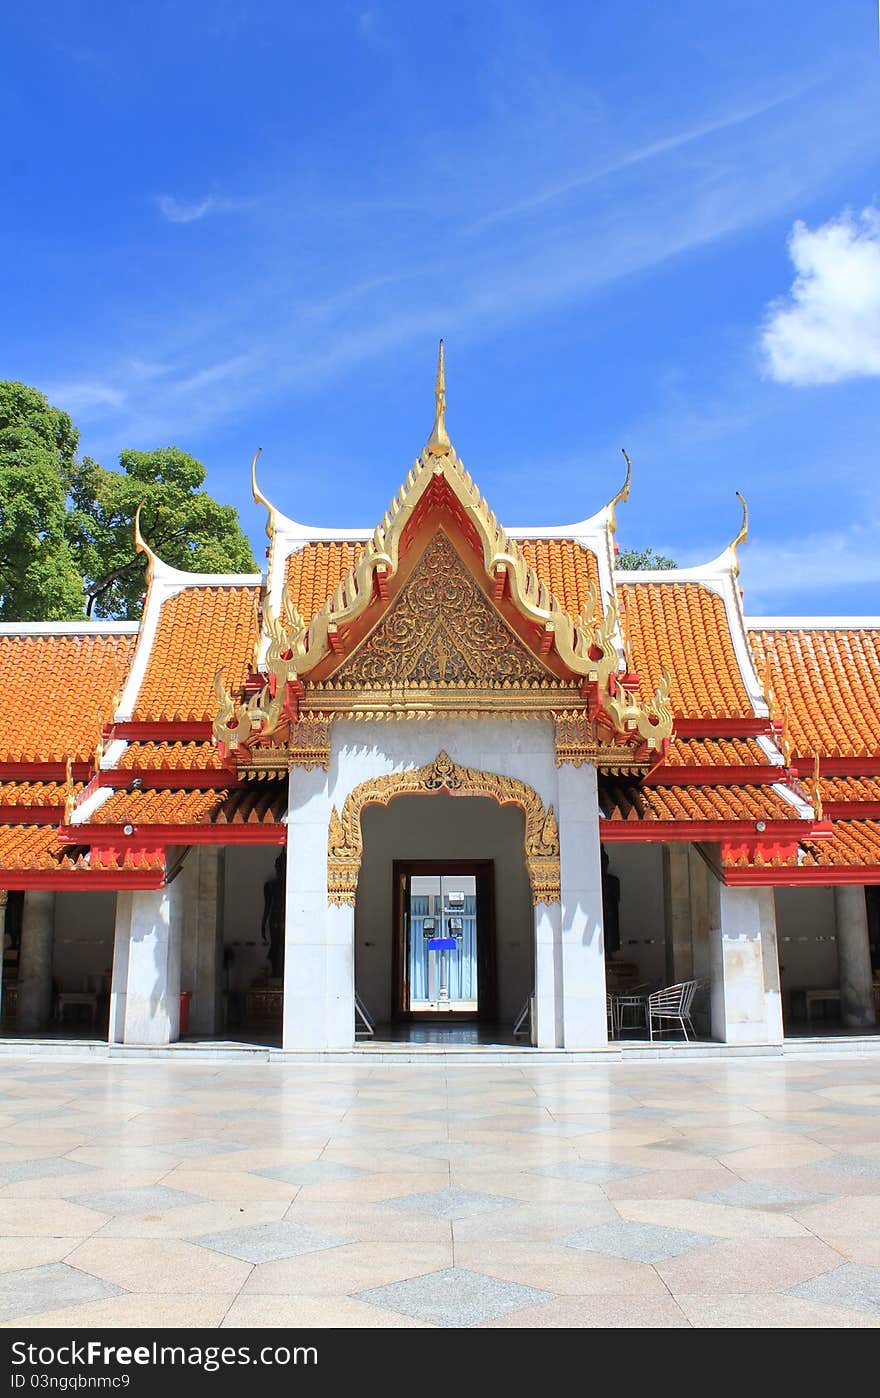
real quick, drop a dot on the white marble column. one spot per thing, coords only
(548, 975)
(319, 939)
(854, 957)
(35, 960)
(677, 908)
(145, 991)
(203, 889)
(744, 968)
(584, 1019)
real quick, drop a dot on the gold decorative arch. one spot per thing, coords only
(345, 844)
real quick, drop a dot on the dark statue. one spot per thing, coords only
(272, 927)
(610, 907)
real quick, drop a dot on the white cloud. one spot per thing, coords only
(828, 327)
(179, 211)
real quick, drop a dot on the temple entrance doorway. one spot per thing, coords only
(446, 860)
(444, 960)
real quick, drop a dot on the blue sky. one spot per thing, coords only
(229, 225)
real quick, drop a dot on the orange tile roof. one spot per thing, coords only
(199, 629)
(620, 800)
(33, 793)
(312, 572)
(182, 756)
(54, 690)
(566, 567)
(853, 842)
(259, 803)
(849, 788)
(158, 808)
(684, 627)
(830, 683)
(716, 752)
(30, 847)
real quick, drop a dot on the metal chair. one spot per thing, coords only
(673, 1003)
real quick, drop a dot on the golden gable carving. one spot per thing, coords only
(442, 630)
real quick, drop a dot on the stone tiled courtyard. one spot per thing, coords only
(720, 1193)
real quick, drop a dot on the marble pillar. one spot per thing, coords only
(319, 937)
(584, 1018)
(745, 997)
(677, 908)
(145, 990)
(35, 961)
(548, 975)
(204, 876)
(854, 957)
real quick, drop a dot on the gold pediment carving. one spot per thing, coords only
(442, 630)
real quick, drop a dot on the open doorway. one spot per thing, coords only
(444, 963)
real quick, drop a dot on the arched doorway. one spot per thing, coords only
(458, 847)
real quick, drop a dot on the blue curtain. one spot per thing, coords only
(462, 962)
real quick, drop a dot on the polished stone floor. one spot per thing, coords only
(740, 1192)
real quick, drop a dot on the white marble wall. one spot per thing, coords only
(145, 991)
(319, 961)
(745, 994)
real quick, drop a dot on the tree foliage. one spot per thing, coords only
(185, 526)
(630, 559)
(39, 579)
(67, 525)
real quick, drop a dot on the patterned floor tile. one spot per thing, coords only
(47, 1288)
(311, 1172)
(153, 1199)
(449, 1203)
(444, 1150)
(588, 1171)
(852, 1285)
(205, 1145)
(269, 1242)
(50, 1167)
(454, 1298)
(637, 1242)
(868, 1166)
(748, 1195)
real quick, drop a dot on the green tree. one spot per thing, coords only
(631, 559)
(39, 579)
(185, 526)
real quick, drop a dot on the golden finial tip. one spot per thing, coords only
(140, 543)
(438, 442)
(259, 497)
(743, 534)
(623, 493)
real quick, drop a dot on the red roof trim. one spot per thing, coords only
(707, 775)
(112, 839)
(722, 727)
(696, 831)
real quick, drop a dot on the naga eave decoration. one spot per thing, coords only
(442, 776)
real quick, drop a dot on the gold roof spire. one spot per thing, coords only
(743, 534)
(622, 495)
(141, 545)
(438, 442)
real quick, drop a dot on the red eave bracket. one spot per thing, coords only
(713, 831)
(745, 727)
(30, 815)
(706, 775)
(112, 839)
(83, 878)
(792, 875)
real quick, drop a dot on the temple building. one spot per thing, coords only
(440, 773)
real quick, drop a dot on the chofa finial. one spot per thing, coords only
(140, 543)
(622, 495)
(438, 442)
(743, 534)
(259, 497)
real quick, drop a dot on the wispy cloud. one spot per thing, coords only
(802, 572)
(828, 326)
(190, 211)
